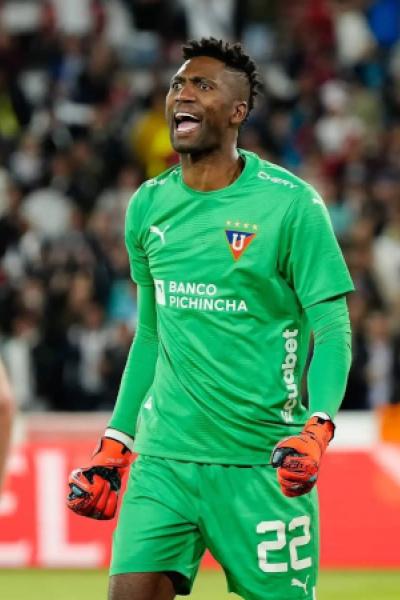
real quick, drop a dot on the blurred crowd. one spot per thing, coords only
(82, 87)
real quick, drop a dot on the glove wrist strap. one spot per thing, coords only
(322, 415)
(119, 436)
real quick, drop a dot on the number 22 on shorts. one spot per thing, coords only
(265, 549)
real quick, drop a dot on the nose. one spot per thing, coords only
(186, 93)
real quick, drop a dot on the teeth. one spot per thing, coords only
(182, 115)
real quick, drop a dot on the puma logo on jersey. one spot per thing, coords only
(298, 583)
(149, 403)
(159, 232)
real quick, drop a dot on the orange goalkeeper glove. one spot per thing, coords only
(94, 489)
(297, 458)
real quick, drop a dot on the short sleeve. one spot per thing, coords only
(138, 261)
(310, 258)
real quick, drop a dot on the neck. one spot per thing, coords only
(212, 170)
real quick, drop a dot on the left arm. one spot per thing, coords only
(298, 457)
(311, 262)
(331, 360)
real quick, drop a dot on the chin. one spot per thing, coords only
(186, 148)
(182, 146)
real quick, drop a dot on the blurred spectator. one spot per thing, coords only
(15, 111)
(396, 369)
(380, 362)
(114, 359)
(383, 18)
(206, 18)
(150, 137)
(7, 410)
(12, 223)
(114, 201)
(26, 163)
(77, 17)
(356, 396)
(92, 85)
(17, 353)
(69, 64)
(337, 127)
(386, 250)
(354, 39)
(88, 343)
(48, 211)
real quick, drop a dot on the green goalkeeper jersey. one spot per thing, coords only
(233, 271)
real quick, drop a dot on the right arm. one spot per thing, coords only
(94, 489)
(140, 366)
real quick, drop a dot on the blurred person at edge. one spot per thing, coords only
(380, 361)
(7, 407)
(88, 340)
(17, 351)
(337, 126)
(114, 360)
(355, 42)
(386, 259)
(356, 395)
(359, 256)
(210, 18)
(150, 137)
(26, 163)
(396, 368)
(114, 200)
(15, 111)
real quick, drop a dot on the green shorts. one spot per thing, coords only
(172, 511)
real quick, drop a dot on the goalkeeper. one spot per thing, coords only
(236, 264)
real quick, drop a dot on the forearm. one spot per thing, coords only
(140, 366)
(7, 409)
(330, 364)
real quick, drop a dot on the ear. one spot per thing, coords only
(239, 112)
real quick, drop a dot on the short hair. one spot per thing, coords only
(234, 57)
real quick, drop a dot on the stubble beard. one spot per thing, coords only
(204, 145)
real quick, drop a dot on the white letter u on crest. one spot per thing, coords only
(238, 245)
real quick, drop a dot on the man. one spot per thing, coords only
(6, 419)
(236, 263)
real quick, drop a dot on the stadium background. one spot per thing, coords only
(82, 86)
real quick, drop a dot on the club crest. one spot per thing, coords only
(239, 239)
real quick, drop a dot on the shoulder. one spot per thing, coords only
(168, 177)
(291, 189)
(151, 189)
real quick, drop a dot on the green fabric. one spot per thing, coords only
(140, 366)
(234, 270)
(267, 544)
(330, 364)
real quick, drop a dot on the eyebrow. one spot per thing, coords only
(194, 79)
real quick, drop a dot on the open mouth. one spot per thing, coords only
(186, 122)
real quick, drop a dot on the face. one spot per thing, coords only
(202, 106)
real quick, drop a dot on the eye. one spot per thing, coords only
(176, 85)
(204, 86)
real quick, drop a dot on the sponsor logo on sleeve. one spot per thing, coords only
(289, 373)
